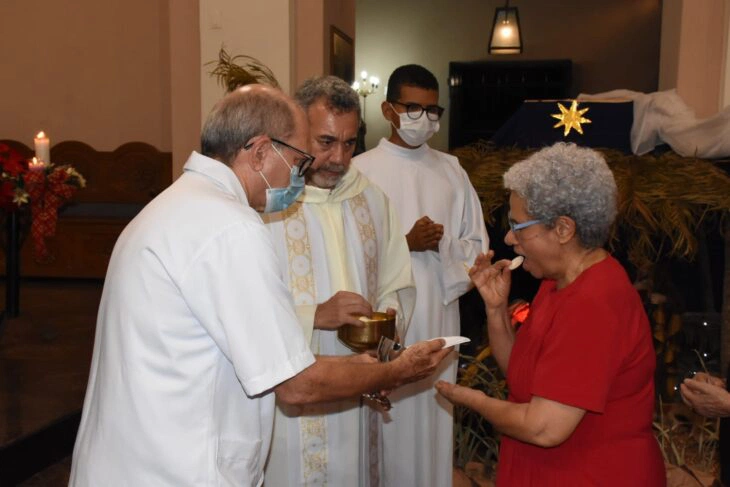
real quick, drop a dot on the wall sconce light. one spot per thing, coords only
(506, 35)
(365, 87)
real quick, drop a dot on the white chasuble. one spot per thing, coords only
(418, 441)
(344, 239)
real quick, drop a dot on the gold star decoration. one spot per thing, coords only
(570, 119)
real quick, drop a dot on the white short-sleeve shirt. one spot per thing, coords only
(195, 326)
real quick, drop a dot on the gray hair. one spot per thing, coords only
(338, 95)
(567, 180)
(240, 116)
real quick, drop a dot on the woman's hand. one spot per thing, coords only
(540, 422)
(710, 379)
(493, 281)
(460, 395)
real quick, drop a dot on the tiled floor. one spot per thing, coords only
(44, 356)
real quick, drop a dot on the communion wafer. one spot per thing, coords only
(516, 262)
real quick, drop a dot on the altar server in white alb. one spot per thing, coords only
(196, 331)
(443, 223)
(344, 256)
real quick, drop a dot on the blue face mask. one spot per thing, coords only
(279, 199)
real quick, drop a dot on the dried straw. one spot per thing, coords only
(663, 199)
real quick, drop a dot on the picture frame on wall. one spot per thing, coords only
(342, 55)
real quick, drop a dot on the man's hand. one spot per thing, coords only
(342, 308)
(420, 360)
(706, 398)
(335, 378)
(425, 235)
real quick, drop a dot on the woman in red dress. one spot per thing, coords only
(580, 370)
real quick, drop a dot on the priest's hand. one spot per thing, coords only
(420, 360)
(344, 307)
(425, 235)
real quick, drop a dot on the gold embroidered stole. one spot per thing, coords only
(313, 429)
(361, 210)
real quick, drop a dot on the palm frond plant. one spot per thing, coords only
(235, 71)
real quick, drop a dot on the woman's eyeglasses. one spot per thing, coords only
(515, 227)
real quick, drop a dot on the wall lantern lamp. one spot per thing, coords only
(506, 35)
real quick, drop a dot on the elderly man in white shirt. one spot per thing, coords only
(196, 327)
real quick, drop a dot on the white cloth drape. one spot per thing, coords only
(663, 117)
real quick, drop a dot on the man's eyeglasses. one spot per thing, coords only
(303, 164)
(515, 227)
(414, 111)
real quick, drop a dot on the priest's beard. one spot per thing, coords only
(327, 176)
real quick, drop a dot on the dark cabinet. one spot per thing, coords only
(484, 94)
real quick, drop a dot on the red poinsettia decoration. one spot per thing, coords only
(49, 189)
(12, 166)
(45, 188)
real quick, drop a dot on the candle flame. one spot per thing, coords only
(35, 161)
(40, 135)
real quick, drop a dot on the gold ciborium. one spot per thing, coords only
(367, 337)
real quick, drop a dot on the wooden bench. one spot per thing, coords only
(118, 185)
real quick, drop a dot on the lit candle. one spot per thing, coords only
(42, 147)
(36, 165)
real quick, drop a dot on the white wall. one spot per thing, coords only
(669, 56)
(184, 66)
(701, 55)
(310, 37)
(261, 29)
(119, 71)
(694, 54)
(312, 42)
(725, 96)
(97, 72)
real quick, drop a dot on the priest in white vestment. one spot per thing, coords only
(442, 219)
(344, 256)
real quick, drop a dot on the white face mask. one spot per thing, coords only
(416, 132)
